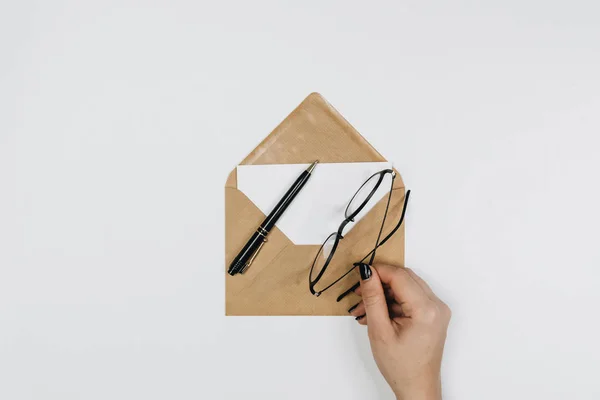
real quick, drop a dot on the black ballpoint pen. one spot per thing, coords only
(243, 260)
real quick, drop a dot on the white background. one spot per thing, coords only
(120, 120)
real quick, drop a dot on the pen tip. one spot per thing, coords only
(312, 166)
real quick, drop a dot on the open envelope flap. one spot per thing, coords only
(277, 281)
(314, 131)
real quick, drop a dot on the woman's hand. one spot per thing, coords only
(407, 326)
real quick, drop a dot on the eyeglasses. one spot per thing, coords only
(354, 208)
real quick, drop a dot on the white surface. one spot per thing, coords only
(119, 122)
(318, 210)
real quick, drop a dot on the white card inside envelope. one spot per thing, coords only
(318, 209)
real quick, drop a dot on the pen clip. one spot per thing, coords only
(247, 265)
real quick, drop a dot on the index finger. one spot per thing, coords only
(404, 287)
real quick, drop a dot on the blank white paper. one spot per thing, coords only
(319, 208)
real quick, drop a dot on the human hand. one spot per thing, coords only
(407, 326)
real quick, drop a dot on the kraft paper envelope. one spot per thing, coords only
(277, 281)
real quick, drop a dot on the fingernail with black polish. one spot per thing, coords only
(365, 272)
(360, 317)
(347, 292)
(352, 308)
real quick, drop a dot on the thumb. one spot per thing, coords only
(378, 317)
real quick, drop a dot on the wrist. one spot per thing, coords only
(418, 395)
(427, 390)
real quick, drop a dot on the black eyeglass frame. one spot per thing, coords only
(350, 218)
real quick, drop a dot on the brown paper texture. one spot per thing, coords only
(277, 281)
